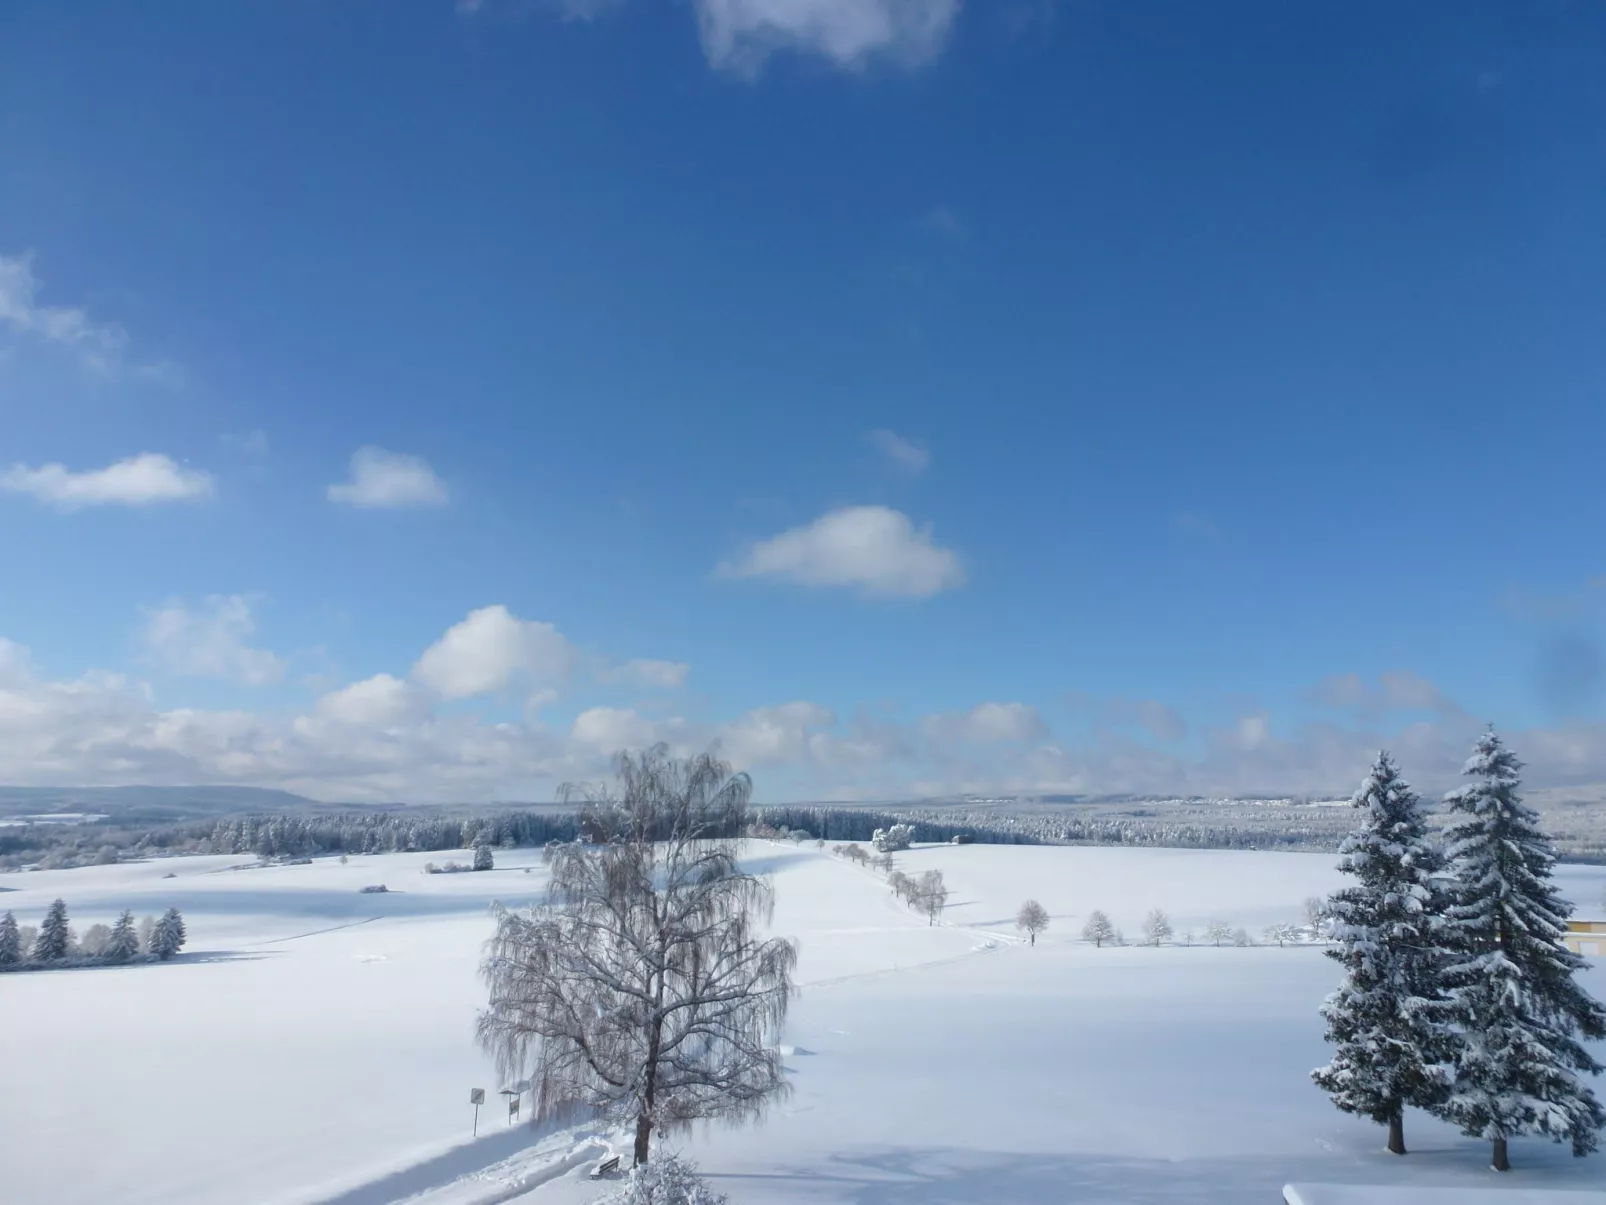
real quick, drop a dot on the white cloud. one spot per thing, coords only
(646, 673)
(872, 547)
(610, 729)
(738, 35)
(987, 723)
(210, 642)
(138, 481)
(906, 455)
(381, 701)
(99, 344)
(771, 735)
(489, 649)
(385, 480)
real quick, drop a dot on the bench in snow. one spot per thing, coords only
(607, 1167)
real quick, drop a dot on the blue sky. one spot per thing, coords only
(914, 396)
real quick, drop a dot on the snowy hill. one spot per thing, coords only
(314, 1045)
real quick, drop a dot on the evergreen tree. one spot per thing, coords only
(167, 936)
(123, 945)
(1519, 1067)
(482, 857)
(10, 941)
(1388, 1018)
(54, 937)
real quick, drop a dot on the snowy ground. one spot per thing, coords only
(314, 1045)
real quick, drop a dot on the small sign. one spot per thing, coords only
(476, 1096)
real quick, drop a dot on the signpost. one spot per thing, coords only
(476, 1097)
(513, 1095)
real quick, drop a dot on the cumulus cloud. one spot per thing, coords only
(383, 480)
(874, 548)
(609, 729)
(988, 723)
(488, 650)
(210, 642)
(645, 673)
(906, 455)
(381, 701)
(137, 481)
(739, 35)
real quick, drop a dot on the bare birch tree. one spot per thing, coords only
(640, 989)
(931, 895)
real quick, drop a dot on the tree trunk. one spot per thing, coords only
(1034, 939)
(1397, 1132)
(643, 1137)
(1500, 1163)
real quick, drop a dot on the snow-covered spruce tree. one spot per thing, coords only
(123, 944)
(1098, 929)
(1156, 927)
(55, 939)
(1388, 1018)
(1519, 1067)
(641, 988)
(483, 859)
(167, 936)
(1033, 918)
(10, 941)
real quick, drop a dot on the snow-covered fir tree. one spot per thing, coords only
(482, 857)
(55, 939)
(168, 935)
(1519, 1068)
(10, 941)
(1388, 1018)
(123, 944)
(1098, 929)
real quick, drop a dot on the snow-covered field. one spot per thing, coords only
(314, 1044)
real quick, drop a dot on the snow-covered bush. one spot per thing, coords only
(373, 889)
(890, 840)
(669, 1180)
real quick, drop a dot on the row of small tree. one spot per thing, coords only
(1459, 995)
(54, 943)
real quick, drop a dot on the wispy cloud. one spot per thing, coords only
(382, 480)
(140, 480)
(942, 222)
(210, 642)
(100, 346)
(739, 35)
(646, 673)
(874, 548)
(906, 455)
(1196, 526)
